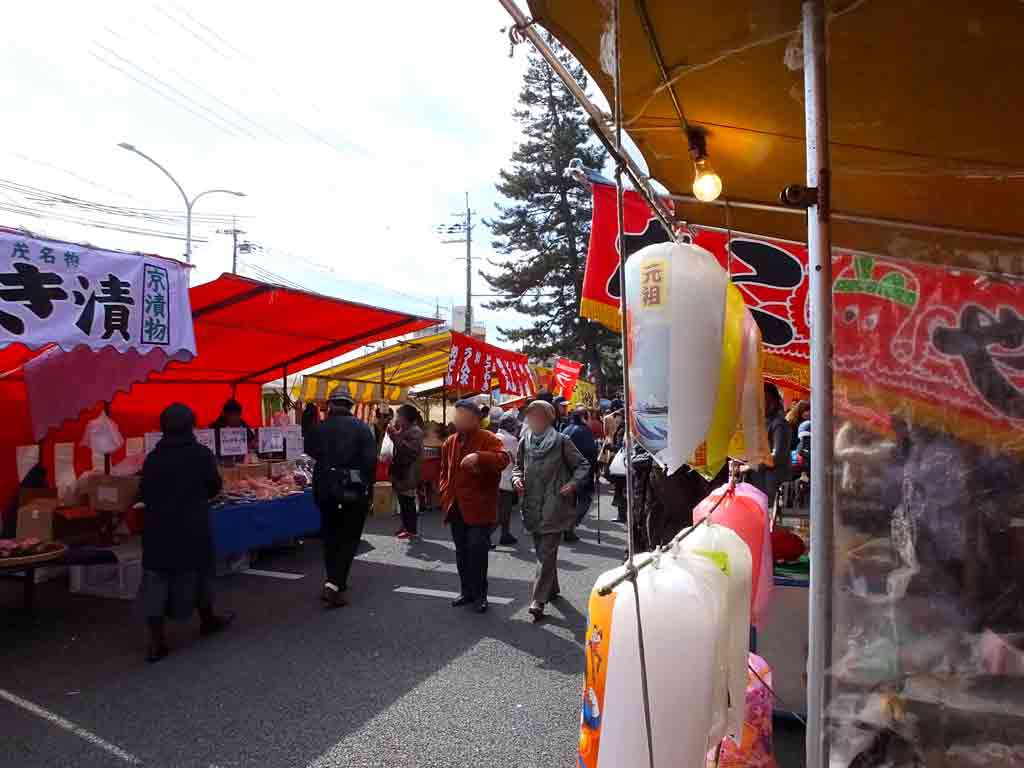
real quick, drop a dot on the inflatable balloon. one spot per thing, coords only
(745, 510)
(683, 600)
(714, 538)
(750, 443)
(676, 297)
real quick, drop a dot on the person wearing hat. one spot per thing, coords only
(508, 433)
(179, 477)
(472, 461)
(346, 457)
(579, 432)
(561, 412)
(549, 469)
(231, 418)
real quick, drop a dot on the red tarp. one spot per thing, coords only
(247, 333)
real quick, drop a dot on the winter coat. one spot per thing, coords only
(544, 509)
(475, 493)
(408, 455)
(179, 477)
(585, 443)
(342, 441)
(511, 443)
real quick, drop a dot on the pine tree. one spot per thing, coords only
(545, 227)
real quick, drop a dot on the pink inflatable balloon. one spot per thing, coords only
(744, 510)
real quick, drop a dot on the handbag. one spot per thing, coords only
(618, 466)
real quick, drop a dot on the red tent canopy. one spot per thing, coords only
(247, 333)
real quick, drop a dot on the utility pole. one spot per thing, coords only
(465, 229)
(234, 232)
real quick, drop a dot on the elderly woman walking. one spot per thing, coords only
(548, 471)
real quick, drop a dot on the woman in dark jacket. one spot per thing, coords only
(178, 480)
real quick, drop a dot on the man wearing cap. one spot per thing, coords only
(472, 461)
(561, 412)
(346, 457)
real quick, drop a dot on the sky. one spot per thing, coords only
(354, 129)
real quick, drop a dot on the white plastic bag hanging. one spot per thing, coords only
(618, 466)
(102, 435)
(387, 450)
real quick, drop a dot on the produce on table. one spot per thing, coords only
(259, 489)
(26, 547)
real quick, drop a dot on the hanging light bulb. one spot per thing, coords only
(707, 185)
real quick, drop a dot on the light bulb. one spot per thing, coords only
(707, 185)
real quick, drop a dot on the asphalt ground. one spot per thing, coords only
(393, 679)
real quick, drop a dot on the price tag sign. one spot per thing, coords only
(293, 443)
(150, 439)
(206, 437)
(233, 441)
(271, 439)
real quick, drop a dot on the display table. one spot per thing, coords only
(239, 528)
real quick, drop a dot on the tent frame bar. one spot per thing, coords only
(819, 265)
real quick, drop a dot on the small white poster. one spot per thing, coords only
(150, 439)
(206, 437)
(233, 441)
(99, 462)
(293, 443)
(27, 457)
(64, 465)
(133, 446)
(271, 439)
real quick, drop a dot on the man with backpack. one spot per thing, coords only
(346, 457)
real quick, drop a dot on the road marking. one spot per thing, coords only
(70, 727)
(274, 574)
(447, 595)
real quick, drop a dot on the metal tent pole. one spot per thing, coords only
(819, 263)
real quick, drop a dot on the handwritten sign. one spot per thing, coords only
(206, 437)
(150, 439)
(234, 441)
(271, 440)
(293, 442)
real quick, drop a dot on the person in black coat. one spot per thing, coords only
(578, 430)
(179, 478)
(346, 457)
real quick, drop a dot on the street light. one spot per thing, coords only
(188, 203)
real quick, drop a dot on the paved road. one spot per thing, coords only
(392, 680)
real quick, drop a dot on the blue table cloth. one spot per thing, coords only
(238, 528)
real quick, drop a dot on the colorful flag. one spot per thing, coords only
(566, 374)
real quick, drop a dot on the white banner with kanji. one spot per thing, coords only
(53, 292)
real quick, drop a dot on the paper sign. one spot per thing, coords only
(27, 457)
(107, 494)
(64, 465)
(206, 437)
(150, 439)
(271, 439)
(133, 446)
(99, 462)
(233, 441)
(293, 443)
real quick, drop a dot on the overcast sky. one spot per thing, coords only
(353, 128)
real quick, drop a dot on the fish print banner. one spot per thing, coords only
(474, 365)
(53, 292)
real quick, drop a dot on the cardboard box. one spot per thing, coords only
(383, 499)
(113, 494)
(35, 520)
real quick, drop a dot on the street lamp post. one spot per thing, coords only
(188, 203)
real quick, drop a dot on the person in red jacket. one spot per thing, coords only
(471, 464)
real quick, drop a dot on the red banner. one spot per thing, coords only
(564, 377)
(474, 365)
(943, 347)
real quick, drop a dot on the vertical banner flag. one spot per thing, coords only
(566, 374)
(474, 364)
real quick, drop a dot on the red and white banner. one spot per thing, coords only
(473, 365)
(564, 377)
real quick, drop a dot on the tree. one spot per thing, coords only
(545, 226)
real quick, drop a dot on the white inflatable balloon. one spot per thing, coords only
(735, 640)
(682, 601)
(676, 298)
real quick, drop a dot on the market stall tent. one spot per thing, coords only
(247, 333)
